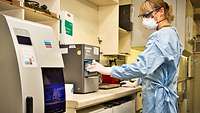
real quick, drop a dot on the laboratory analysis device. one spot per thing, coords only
(31, 68)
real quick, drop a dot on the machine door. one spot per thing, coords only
(54, 90)
(87, 73)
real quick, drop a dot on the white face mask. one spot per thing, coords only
(149, 23)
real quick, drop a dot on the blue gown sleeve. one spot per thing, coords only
(147, 62)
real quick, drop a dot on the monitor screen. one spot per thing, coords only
(54, 90)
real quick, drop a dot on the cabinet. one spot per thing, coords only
(109, 28)
(109, 110)
(96, 109)
(115, 40)
(138, 106)
(127, 107)
(97, 24)
(125, 12)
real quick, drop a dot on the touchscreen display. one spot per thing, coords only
(24, 40)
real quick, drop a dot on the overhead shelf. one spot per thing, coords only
(119, 54)
(123, 31)
(104, 2)
(6, 5)
(37, 16)
(30, 14)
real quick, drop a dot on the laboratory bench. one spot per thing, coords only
(102, 101)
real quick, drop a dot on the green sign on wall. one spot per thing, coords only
(68, 28)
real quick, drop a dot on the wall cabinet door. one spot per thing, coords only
(128, 107)
(96, 109)
(138, 102)
(109, 110)
(108, 28)
(114, 39)
(102, 110)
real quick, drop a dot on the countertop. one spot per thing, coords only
(79, 101)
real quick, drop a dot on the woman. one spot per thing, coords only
(157, 65)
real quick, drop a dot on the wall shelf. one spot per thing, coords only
(104, 2)
(120, 54)
(7, 5)
(34, 15)
(123, 31)
(30, 14)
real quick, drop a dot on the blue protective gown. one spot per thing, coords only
(156, 67)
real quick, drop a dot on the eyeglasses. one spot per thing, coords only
(148, 14)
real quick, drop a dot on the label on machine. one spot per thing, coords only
(96, 51)
(28, 57)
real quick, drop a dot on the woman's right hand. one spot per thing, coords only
(97, 67)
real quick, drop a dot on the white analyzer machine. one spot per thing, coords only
(31, 68)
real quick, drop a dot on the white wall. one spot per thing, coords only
(85, 20)
(189, 25)
(181, 19)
